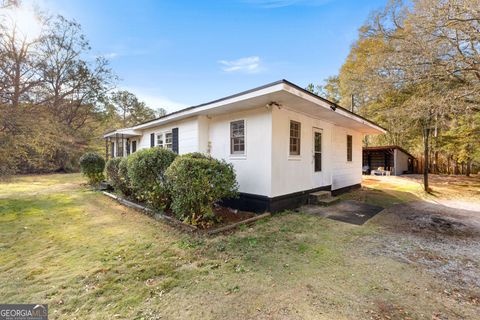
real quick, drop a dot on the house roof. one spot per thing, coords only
(274, 87)
(390, 147)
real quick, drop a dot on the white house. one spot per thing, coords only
(283, 141)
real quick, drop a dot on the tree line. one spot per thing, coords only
(415, 69)
(56, 98)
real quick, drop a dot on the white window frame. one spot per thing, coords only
(314, 131)
(299, 155)
(163, 136)
(168, 145)
(240, 154)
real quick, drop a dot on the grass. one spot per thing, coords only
(90, 258)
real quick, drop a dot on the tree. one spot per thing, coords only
(71, 86)
(329, 90)
(131, 110)
(18, 61)
(50, 94)
(425, 59)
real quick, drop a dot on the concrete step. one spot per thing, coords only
(323, 198)
(321, 194)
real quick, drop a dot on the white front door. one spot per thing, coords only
(317, 157)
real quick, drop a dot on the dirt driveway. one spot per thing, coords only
(437, 233)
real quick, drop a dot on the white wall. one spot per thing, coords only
(188, 135)
(346, 173)
(292, 174)
(401, 162)
(296, 173)
(254, 168)
(203, 128)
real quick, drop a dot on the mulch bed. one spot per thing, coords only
(227, 218)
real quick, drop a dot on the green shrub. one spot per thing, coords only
(146, 171)
(116, 170)
(198, 181)
(111, 171)
(92, 166)
(125, 186)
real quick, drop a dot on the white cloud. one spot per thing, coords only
(246, 65)
(110, 55)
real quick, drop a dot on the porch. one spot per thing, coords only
(121, 143)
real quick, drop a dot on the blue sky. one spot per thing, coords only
(174, 54)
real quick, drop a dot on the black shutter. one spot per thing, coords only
(152, 140)
(175, 140)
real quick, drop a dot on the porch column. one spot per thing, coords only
(106, 149)
(116, 145)
(123, 146)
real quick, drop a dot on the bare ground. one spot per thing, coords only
(437, 233)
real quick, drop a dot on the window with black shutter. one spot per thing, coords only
(175, 140)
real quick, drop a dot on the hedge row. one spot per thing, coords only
(189, 184)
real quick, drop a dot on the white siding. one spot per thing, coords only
(401, 162)
(188, 138)
(292, 174)
(296, 173)
(253, 169)
(203, 128)
(346, 173)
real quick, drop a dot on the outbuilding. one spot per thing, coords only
(392, 159)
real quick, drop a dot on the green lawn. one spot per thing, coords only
(90, 258)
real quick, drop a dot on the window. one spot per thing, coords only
(168, 140)
(119, 148)
(237, 137)
(317, 151)
(349, 147)
(164, 140)
(160, 140)
(295, 138)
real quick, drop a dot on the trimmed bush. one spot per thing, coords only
(197, 181)
(125, 186)
(146, 171)
(92, 166)
(116, 170)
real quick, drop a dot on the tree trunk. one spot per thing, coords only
(448, 164)
(469, 168)
(435, 146)
(455, 167)
(426, 153)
